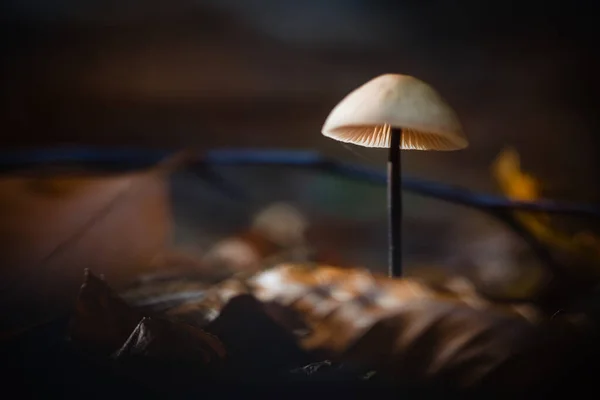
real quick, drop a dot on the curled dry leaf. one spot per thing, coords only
(162, 352)
(161, 338)
(102, 320)
(260, 342)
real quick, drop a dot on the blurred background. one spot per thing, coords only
(264, 74)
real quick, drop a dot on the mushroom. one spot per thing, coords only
(399, 112)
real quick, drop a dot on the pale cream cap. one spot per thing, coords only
(366, 116)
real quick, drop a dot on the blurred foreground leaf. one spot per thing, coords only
(264, 327)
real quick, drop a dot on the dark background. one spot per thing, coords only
(265, 73)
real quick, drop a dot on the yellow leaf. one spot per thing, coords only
(518, 185)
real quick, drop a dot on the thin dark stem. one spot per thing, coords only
(395, 204)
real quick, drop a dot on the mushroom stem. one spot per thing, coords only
(395, 204)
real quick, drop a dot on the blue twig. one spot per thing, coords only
(421, 187)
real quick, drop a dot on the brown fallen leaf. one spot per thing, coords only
(201, 312)
(440, 341)
(402, 328)
(339, 304)
(165, 353)
(259, 338)
(406, 330)
(102, 321)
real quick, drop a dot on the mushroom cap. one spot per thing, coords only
(366, 115)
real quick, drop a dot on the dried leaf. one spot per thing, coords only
(400, 327)
(259, 342)
(432, 340)
(201, 312)
(102, 321)
(517, 185)
(164, 353)
(292, 315)
(339, 296)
